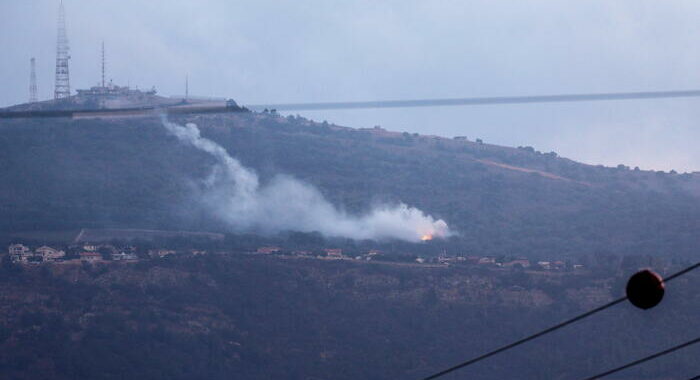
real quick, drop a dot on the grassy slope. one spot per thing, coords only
(130, 173)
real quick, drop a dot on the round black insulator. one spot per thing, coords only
(645, 289)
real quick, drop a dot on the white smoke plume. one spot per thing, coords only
(235, 194)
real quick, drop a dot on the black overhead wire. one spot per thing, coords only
(550, 329)
(682, 272)
(527, 339)
(646, 359)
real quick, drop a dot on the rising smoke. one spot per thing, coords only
(234, 193)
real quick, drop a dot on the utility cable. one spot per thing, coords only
(527, 339)
(646, 359)
(526, 99)
(475, 101)
(550, 329)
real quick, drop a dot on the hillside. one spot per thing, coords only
(251, 317)
(60, 174)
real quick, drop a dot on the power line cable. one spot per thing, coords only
(558, 98)
(527, 339)
(682, 272)
(550, 329)
(475, 101)
(646, 359)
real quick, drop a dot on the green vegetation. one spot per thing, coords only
(70, 174)
(238, 316)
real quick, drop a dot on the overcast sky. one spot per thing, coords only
(312, 51)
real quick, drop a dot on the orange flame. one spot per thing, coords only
(426, 237)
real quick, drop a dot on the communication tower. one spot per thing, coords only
(103, 64)
(32, 81)
(62, 86)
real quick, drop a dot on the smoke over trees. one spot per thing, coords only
(234, 193)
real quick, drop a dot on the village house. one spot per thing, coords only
(473, 260)
(517, 263)
(546, 265)
(268, 250)
(89, 247)
(487, 260)
(17, 249)
(334, 253)
(90, 257)
(442, 259)
(49, 254)
(20, 253)
(160, 253)
(124, 256)
(372, 253)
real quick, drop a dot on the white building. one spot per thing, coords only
(160, 252)
(124, 256)
(90, 257)
(49, 254)
(20, 253)
(487, 260)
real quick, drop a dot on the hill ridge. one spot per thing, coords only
(129, 173)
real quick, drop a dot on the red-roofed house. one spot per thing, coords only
(268, 250)
(335, 253)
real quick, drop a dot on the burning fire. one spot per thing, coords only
(426, 237)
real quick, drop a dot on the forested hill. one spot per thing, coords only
(239, 316)
(65, 174)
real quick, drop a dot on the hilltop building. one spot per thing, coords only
(109, 95)
(106, 95)
(112, 90)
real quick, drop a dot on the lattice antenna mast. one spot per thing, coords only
(103, 64)
(33, 98)
(62, 87)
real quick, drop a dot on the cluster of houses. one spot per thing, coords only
(329, 253)
(376, 255)
(22, 254)
(517, 263)
(92, 253)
